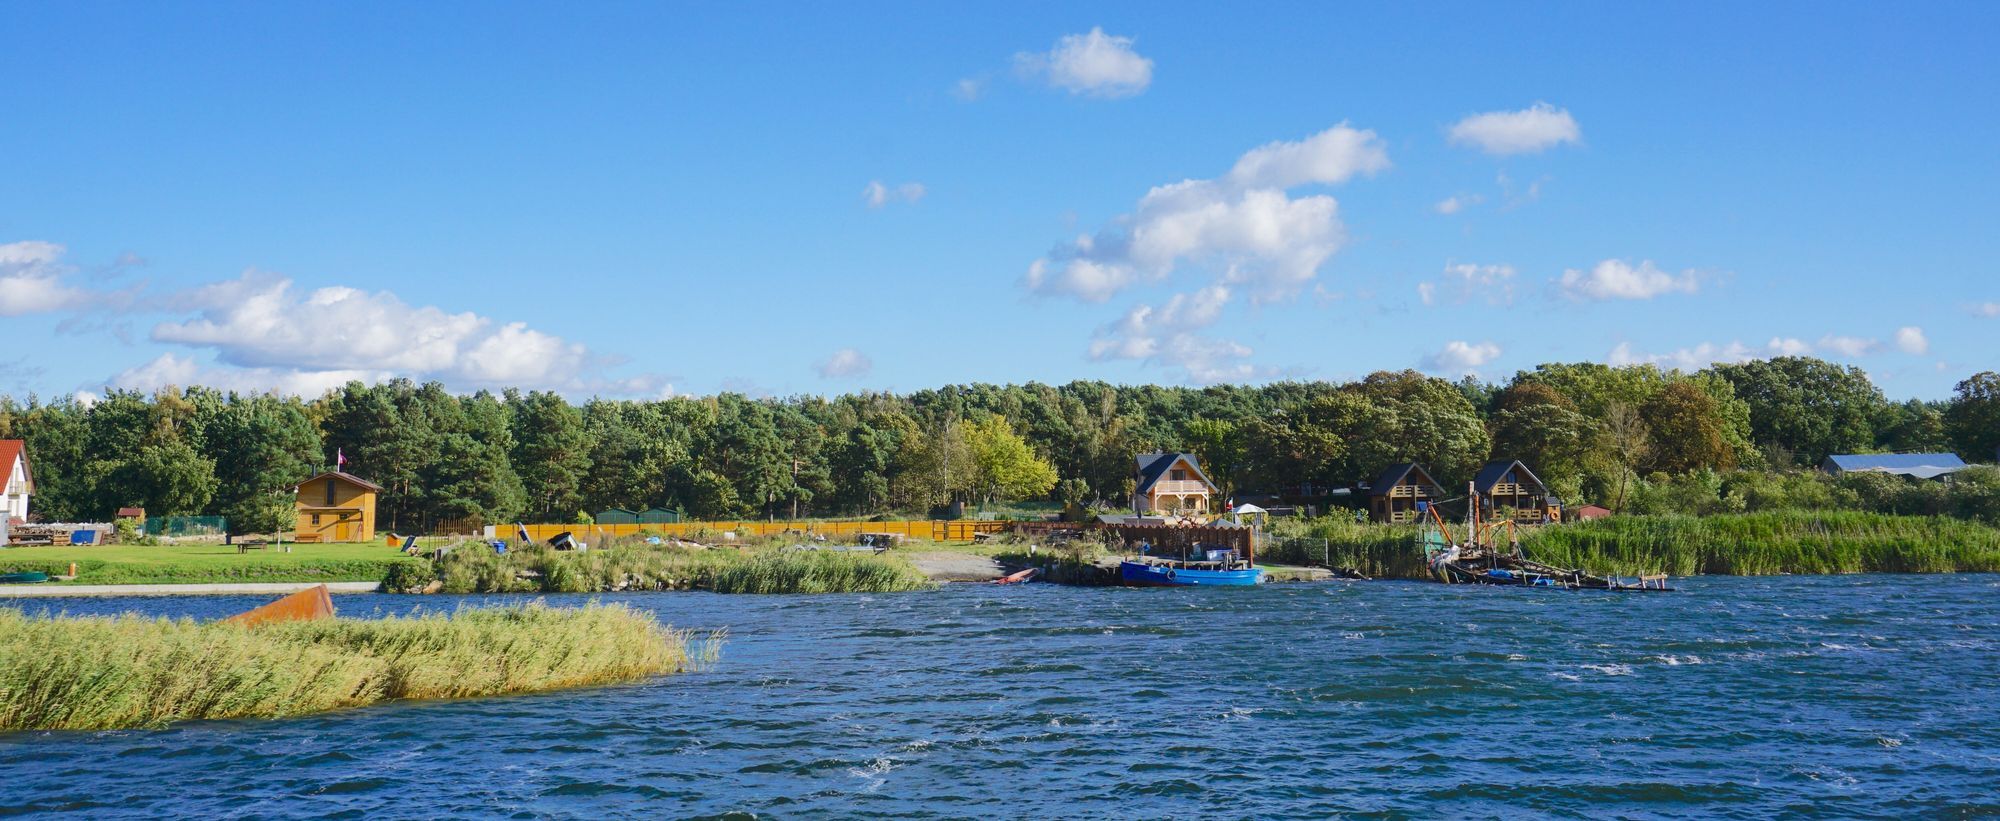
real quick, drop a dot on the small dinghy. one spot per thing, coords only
(1017, 578)
(305, 605)
(24, 577)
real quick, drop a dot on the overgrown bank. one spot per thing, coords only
(141, 672)
(1746, 544)
(474, 568)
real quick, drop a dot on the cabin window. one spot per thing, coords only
(329, 493)
(315, 520)
(1180, 475)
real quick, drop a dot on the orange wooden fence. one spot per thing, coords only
(961, 530)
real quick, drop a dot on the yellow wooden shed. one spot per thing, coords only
(337, 507)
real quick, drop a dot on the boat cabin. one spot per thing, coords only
(336, 507)
(1401, 493)
(1507, 485)
(1172, 484)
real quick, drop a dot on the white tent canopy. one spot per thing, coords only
(1249, 508)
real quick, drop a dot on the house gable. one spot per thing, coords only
(1154, 467)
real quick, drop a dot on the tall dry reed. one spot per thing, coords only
(112, 672)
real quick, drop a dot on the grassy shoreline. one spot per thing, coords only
(145, 672)
(1755, 544)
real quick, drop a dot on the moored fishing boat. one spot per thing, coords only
(1175, 574)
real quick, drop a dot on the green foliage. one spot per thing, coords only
(1003, 465)
(128, 532)
(1810, 407)
(141, 672)
(1588, 430)
(1973, 419)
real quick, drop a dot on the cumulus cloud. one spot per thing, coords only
(1535, 128)
(1456, 203)
(1244, 223)
(846, 363)
(1910, 339)
(877, 195)
(174, 370)
(34, 280)
(1706, 354)
(1849, 346)
(261, 323)
(1461, 357)
(1170, 335)
(1094, 64)
(1618, 279)
(1464, 281)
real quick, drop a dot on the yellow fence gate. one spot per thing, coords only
(960, 530)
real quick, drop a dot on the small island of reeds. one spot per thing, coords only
(99, 673)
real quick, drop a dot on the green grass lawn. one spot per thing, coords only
(207, 563)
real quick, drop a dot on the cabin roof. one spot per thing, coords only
(1396, 473)
(349, 478)
(1919, 465)
(10, 449)
(1153, 466)
(1496, 470)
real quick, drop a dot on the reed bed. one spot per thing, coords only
(639, 566)
(1742, 545)
(1769, 543)
(100, 673)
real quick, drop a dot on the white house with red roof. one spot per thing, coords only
(16, 483)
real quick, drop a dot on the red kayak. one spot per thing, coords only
(1020, 577)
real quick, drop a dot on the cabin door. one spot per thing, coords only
(343, 529)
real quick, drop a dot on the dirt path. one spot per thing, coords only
(956, 567)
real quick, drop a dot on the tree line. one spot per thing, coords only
(1595, 433)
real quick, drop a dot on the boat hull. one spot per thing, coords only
(1137, 574)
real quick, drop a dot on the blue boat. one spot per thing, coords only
(1141, 574)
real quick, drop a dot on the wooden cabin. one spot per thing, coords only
(1400, 492)
(1508, 484)
(1172, 484)
(336, 507)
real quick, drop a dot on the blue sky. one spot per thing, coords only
(630, 200)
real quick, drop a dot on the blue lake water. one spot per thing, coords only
(1867, 695)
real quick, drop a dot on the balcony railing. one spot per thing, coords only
(1172, 488)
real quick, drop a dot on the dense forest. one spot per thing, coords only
(1619, 436)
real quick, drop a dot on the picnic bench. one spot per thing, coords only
(248, 545)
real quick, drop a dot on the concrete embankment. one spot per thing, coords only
(247, 589)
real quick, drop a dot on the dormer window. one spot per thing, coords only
(1180, 475)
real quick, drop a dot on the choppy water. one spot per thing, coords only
(1749, 698)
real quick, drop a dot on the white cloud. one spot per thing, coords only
(968, 89)
(1461, 357)
(1849, 346)
(33, 279)
(1169, 335)
(846, 363)
(1492, 283)
(1618, 279)
(877, 195)
(1911, 340)
(1988, 310)
(259, 323)
(1243, 223)
(1456, 203)
(1094, 64)
(178, 371)
(1535, 128)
